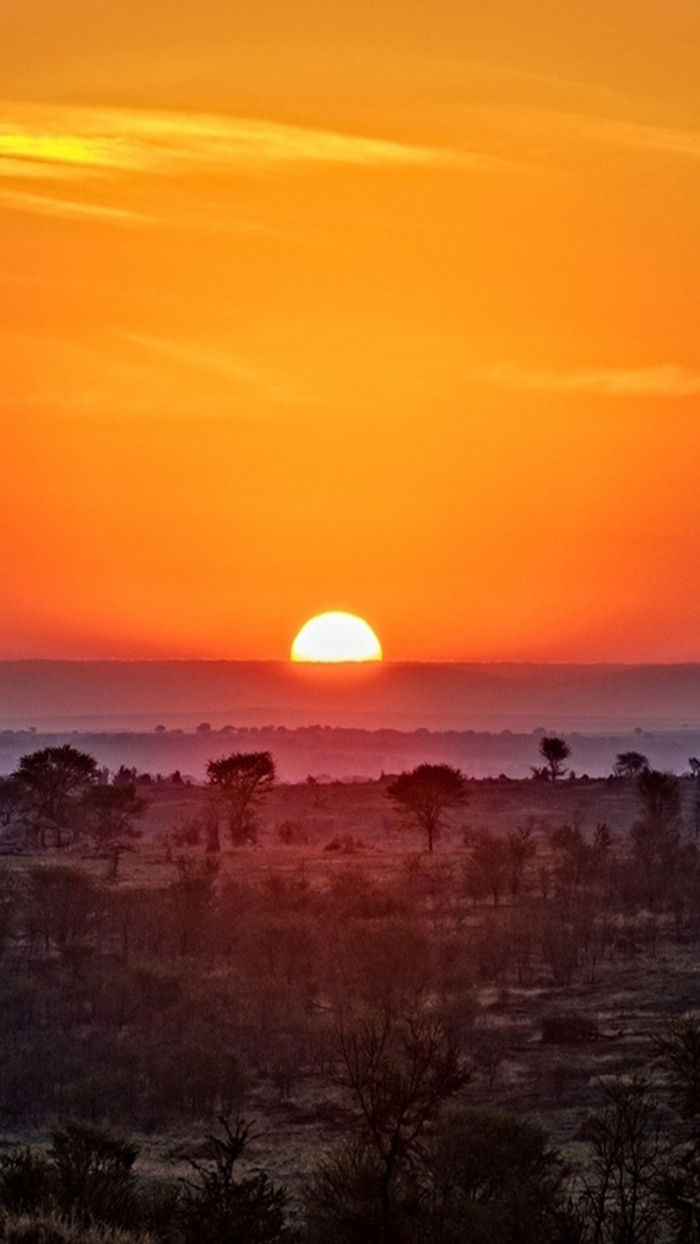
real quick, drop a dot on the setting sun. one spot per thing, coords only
(335, 637)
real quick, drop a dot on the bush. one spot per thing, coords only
(26, 1182)
(292, 834)
(94, 1178)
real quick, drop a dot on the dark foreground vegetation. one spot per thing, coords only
(206, 1039)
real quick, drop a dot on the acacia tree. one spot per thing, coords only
(554, 751)
(53, 780)
(425, 796)
(240, 781)
(630, 764)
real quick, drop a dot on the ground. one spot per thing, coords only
(636, 975)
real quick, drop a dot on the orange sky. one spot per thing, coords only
(385, 307)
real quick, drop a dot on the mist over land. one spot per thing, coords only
(350, 720)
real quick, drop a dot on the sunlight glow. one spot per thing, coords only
(334, 637)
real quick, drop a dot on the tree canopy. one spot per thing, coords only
(554, 751)
(630, 764)
(53, 780)
(112, 811)
(426, 794)
(240, 781)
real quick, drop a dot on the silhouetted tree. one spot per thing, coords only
(112, 812)
(398, 1073)
(620, 1197)
(426, 794)
(554, 751)
(678, 1051)
(660, 798)
(193, 896)
(240, 781)
(51, 776)
(654, 835)
(630, 764)
(11, 889)
(520, 849)
(493, 1178)
(52, 781)
(490, 863)
(224, 1208)
(62, 904)
(10, 799)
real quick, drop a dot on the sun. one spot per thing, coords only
(335, 637)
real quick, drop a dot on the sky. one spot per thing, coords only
(383, 307)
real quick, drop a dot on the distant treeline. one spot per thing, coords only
(337, 752)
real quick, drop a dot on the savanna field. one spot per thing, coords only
(350, 1036)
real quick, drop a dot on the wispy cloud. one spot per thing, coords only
(100, 141)
(664, 380)
(635, 135)
(217, 363)
(47, 205)
(135, 374)
(581, 117)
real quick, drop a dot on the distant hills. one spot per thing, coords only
(349, 721)
(143, 694)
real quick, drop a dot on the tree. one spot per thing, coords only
(660, 798)
(678, 1051)
(493, 1177)
(554, 751)
(111, 813)
(654, 835)
(220, 1207)
(53, 780)
(630, 764)
(521, 848)
(620, 1197)
(490, 864)
(10, 799)
(62, 905)
(240, 781)
(426, 794)
(398, 1072)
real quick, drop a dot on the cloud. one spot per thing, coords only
(46, 205)
(46, 142)
(222, 365)
(132, 375)
(663, 380)
(636, 135)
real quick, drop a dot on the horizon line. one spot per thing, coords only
(414, 661)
